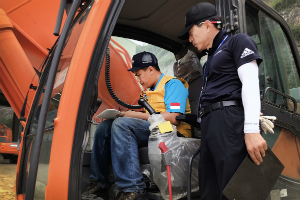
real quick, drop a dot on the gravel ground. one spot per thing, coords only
(7, 181)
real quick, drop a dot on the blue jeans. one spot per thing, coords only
(118, 141)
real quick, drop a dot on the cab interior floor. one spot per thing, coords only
(85, 178)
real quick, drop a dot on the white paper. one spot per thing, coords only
(109, 114)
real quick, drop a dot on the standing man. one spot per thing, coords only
(118, 140)
(229, 101)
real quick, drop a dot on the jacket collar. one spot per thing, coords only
(217, 41)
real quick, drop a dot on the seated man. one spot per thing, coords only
(118, 140)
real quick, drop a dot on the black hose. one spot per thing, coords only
(146, 105)
(109, 88)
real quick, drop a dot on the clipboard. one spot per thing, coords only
(109, 114)
(252, 181)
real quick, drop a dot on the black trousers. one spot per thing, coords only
(222, 150)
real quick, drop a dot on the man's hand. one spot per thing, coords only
(167, 115)
(256, 146)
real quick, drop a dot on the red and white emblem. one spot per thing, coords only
(174, 105)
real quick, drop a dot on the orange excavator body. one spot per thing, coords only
(26, 29)
(22, 51)
(26, 33)
(26, 36)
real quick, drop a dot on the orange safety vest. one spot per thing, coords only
(156, 101)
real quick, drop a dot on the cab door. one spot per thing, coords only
(46, 167)
(279, 87)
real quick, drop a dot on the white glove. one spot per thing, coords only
(266, 124)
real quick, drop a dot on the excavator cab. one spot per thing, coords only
(84, 71)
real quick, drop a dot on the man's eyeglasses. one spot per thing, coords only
(200, 24)
(213, 22)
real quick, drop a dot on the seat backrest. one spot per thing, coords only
(189, 68)
(194, 93)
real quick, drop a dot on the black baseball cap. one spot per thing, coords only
(143, 59)
(201, 11)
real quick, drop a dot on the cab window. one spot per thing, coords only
(166, 59)
(278, 69)
(122, 51)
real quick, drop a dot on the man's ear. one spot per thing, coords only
(151, 69)
(208, 25)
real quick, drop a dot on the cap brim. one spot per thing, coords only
(134, 69)
(184, 35)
